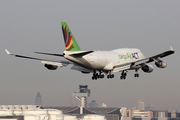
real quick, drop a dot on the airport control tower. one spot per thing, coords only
(82, 95)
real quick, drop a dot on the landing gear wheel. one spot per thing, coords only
(136, 75)
(102, 76)
(123, 75)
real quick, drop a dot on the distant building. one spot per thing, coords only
(149, 107)
(138, 113)
(160, 114)
(173, 114)
(38, 100)
(141, 105)
(104, 105)
(93, 104)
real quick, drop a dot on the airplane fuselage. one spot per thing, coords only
(105, 60)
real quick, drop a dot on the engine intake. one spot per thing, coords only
(161, 64)
(51, 67)
(147, 68)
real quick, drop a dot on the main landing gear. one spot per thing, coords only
(110, 76)
(123, 75)
(97, 76)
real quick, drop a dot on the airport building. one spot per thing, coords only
(33, 112)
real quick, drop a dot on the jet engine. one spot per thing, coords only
(161, 64)
(51, 67)
(147, 68)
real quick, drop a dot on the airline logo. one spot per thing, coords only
(129, 56)
(67, 39)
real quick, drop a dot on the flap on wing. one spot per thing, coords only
(79, 68)
(139, 62)
(121, 68)
(57, 63)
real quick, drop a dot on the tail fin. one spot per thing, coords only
(69, 40)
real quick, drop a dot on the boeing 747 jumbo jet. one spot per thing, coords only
(101, 63)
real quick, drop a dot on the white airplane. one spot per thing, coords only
(99, 62)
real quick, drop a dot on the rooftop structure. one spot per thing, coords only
(109, 112)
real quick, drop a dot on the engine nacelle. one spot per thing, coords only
(147, 68)
(51, 67)
(161, 64)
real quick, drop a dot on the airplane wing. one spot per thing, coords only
(59, 63)
(155, 57)
(131, 65)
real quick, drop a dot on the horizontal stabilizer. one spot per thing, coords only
(7, 52)
(81, 54)
(21, 56)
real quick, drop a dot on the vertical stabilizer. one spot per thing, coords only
(69, 40)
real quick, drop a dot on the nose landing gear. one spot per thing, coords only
(136, 74)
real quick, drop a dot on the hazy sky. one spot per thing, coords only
(27, 26)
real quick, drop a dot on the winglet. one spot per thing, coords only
(171, 48)
(7, 52)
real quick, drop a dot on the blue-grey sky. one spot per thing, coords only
(31, 25)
